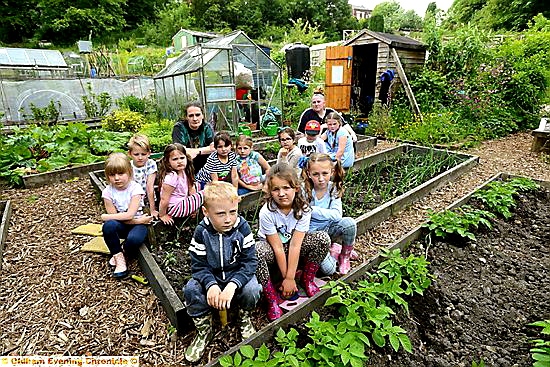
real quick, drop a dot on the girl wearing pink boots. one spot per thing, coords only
(323, 187)
(285, 236)
(124, 218)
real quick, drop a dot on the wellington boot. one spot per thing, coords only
(204, 334)
(344, 265)
(308, 278)
(273, 309)
(247, 328)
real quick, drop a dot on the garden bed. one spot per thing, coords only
(5, 215)
(169, 247)
(485, 293)
(60, 175)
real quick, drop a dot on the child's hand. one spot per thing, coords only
(105, 217)
(226, 296)
(154, 213)
(144, 219)
(288, 288)
(166, 219)
(283, 152)
(213, 296)
(256, 186)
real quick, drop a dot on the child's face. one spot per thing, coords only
(139, 156)
(222, 214)
(177, 160)
(223, 149)
(333, 125)
(320, 173)
(282, 193)
(243, 150)
(119, 180)
(286, 141)
(311, 138)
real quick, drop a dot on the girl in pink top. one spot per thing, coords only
(179, 196)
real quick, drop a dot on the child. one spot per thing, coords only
(221, 165)
(223, 264)
(249, 166)
(179, 196)
(323, 186)
(289, 152)
(312, 143)
(144, 168)
(339, 142)
(284, 237)
(124, 218)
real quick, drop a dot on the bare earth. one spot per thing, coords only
(57, 300)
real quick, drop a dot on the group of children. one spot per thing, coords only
(300, 218)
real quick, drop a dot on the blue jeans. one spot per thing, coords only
(344, 229)
(242, 191)
(197, 305)
(114, 231)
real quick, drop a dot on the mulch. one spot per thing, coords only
(56, 300)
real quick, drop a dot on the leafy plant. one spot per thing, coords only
(458, 222)
(48, 115)
(123, 120)
(541, 352)
(96, 105)
(131, 103)
(499, 195)
(159, 134)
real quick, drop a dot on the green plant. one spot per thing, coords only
(499, 195)
(123, 120)
(541, 352)
(458, 222)
(132, 103)
(48, 115)
(96, 105)
(481, 363)
(272, 147)
(159, 134)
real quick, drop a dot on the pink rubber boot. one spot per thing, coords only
(344, 265)
(308, 280)
(273, 309)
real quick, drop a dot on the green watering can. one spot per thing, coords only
(245, 130)
(271, 128)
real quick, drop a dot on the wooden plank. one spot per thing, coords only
(339, 63)
(406, 84)
(4, 224)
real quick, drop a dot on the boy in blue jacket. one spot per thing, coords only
(223, 265)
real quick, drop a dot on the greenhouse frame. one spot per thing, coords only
(206, 72)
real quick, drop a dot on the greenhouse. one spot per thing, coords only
(233, 77)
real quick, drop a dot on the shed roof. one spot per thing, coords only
(393, 40)
(196, 33)
(28, 58)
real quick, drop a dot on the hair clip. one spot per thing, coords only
(302, 162)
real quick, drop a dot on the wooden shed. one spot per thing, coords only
(353, 70)
(186, 38)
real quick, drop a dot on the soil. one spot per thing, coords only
(485, 294)
(55, 299)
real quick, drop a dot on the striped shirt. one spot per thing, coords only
(214, 165)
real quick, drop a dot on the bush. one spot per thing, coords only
(131, 103)
(159, 134)
(123, 120)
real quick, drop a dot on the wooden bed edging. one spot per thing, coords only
(4, 224)
(60, 175)
(301, 311)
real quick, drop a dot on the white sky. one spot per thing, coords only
(419, 6)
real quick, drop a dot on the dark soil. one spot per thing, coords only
(485, 295)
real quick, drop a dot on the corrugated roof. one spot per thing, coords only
(28, 58)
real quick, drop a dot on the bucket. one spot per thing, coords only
(245, 130)
(271, 128)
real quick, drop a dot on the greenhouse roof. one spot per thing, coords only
(190, 60)
(27, 58)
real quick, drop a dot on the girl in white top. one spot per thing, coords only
(289, 152)
(124, 218)
(179, 196)
(284, 237)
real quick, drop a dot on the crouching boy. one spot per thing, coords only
(223, 264)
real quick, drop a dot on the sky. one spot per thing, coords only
(419, 6)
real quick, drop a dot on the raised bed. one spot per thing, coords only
(251, 202)
(60, 175)
(5, 215)
(302, 312)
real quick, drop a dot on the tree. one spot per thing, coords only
(376, 23)
(16, 22)
(463, 11)
(410, 20)
(169, 21)
(392, 13)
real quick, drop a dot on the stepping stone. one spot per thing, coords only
(92, 229)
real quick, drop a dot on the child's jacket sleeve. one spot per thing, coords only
(333, 212)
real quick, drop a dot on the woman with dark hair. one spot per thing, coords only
(193, 133)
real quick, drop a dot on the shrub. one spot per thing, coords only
(159, 134)
(123, 120)
(131, 103)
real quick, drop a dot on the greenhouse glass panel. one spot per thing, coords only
(217, 70)
(220, 115)
(219, 93)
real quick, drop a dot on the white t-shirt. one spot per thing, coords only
(307, 148)
(272, 222)
(142, 173)
(121, 198)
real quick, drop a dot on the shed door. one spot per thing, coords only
(339, 61)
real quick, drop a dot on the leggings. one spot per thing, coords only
(186, 205)
(314, 248)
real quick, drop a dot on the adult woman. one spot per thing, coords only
(195, 135)
(317, 111)
(338, 140)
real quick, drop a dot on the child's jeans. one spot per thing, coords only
(344, 229)
(114, 231)
(197, 305)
